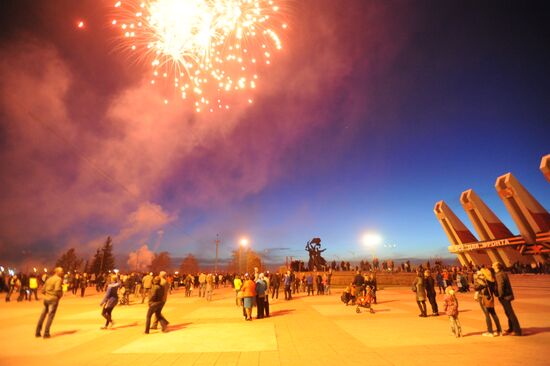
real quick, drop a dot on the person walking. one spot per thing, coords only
(505, 297)
(309, 281)
(33, 287)
(485, 287)
(237, 283)
(202, 285)
(429, 284)
(52, 291)
(109, 301)
(147, 282)
(451, 309)
(165, 289)
(420, 290)
(288, 285)
(155, 305)
(83, 283)
(209, 286)
(275, 283)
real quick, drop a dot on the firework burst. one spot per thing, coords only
(206, 49)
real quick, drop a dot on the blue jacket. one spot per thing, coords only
(261, 288)
(111, 295)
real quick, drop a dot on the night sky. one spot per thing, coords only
(371, 112)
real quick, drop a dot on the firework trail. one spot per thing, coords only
(207, 49)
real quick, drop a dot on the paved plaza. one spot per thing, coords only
(317, 330)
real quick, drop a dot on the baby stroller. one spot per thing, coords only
(365, 301)
(124, 296)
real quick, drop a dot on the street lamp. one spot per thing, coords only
(243, 243)
(371, 240)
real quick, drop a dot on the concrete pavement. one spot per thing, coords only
(316, 330)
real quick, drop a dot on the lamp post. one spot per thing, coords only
(243, 243)
(371, 240)
(217, 245)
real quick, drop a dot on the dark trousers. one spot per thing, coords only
(288, 293)
(266, 305)
(275, 292)
(422, 306)
(34, 291)
(107, 315)
(157, 319)
(260, 306)
(513, 322)
(145, 294)
(310, 289)
(156, 309)
(82, 290)
(50, 308)
(490, 312)
(433, 303)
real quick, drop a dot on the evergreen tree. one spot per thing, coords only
(103, 260)
(108, 258)
(96, 262)
(69, 261)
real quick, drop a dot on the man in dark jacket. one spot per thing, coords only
(165, 290)
(52, 291)
(505, 296)
(155, 306)
(429, 284)
(359, 283)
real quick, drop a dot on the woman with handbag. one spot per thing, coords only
(485, 289)
(419, 288)
(248, 294)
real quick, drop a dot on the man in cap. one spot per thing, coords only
(53, 292)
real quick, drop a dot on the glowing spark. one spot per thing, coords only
(80, 24)
(208, 47)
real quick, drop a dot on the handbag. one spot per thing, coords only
(240, 294)
(488, 301)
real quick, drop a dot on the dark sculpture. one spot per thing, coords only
(316, 261)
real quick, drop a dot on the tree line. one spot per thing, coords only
(104, 261)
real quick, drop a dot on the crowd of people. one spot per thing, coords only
(488, 283)
(255, 289)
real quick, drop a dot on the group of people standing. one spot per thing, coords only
(253, 291)
(489, 284)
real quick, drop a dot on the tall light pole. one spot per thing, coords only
(372, 240)
(217, 244)
(243, 243)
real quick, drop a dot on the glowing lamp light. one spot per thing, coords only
(372, 239)
(244, 242)
(115, 270)
(80, 24)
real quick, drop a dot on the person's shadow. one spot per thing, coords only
(64, 333)
(124, 326)
(281, 312)
(174, 327)
(526, 332)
